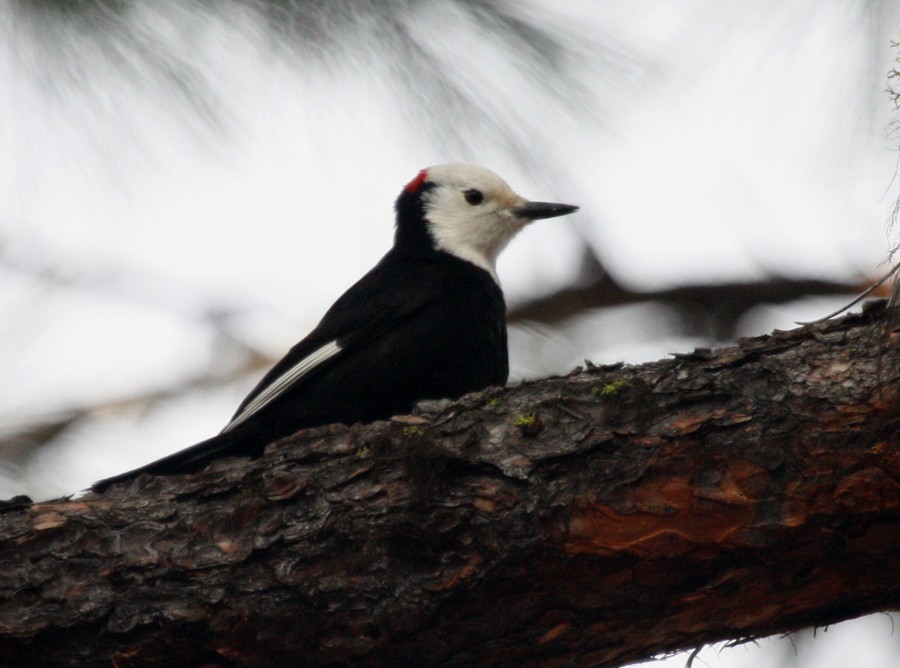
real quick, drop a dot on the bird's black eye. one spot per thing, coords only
(474, 197)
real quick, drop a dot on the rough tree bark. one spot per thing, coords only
(593, 519)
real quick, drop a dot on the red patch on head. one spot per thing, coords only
(417, 182)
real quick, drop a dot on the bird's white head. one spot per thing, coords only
(472, 213)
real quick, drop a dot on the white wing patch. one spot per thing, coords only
(284, 381)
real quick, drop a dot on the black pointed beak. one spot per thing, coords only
(540, 210)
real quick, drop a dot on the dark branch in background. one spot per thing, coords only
(893, 76)
(19, 445)
(707, 310)
(593, 520)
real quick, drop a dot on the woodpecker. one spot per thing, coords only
(427, 322)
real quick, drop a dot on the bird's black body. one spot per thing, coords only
(387, 364)
(422, 324)
(427, 322)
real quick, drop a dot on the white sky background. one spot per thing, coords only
(706, 141)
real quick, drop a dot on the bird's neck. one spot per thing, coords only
(417, 241)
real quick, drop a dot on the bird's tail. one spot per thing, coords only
(189, 460)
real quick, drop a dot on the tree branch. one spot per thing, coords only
(706, 308)
(596, 519)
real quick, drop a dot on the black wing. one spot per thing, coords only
(382, 299)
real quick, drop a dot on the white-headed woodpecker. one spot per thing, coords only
(427, 322)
